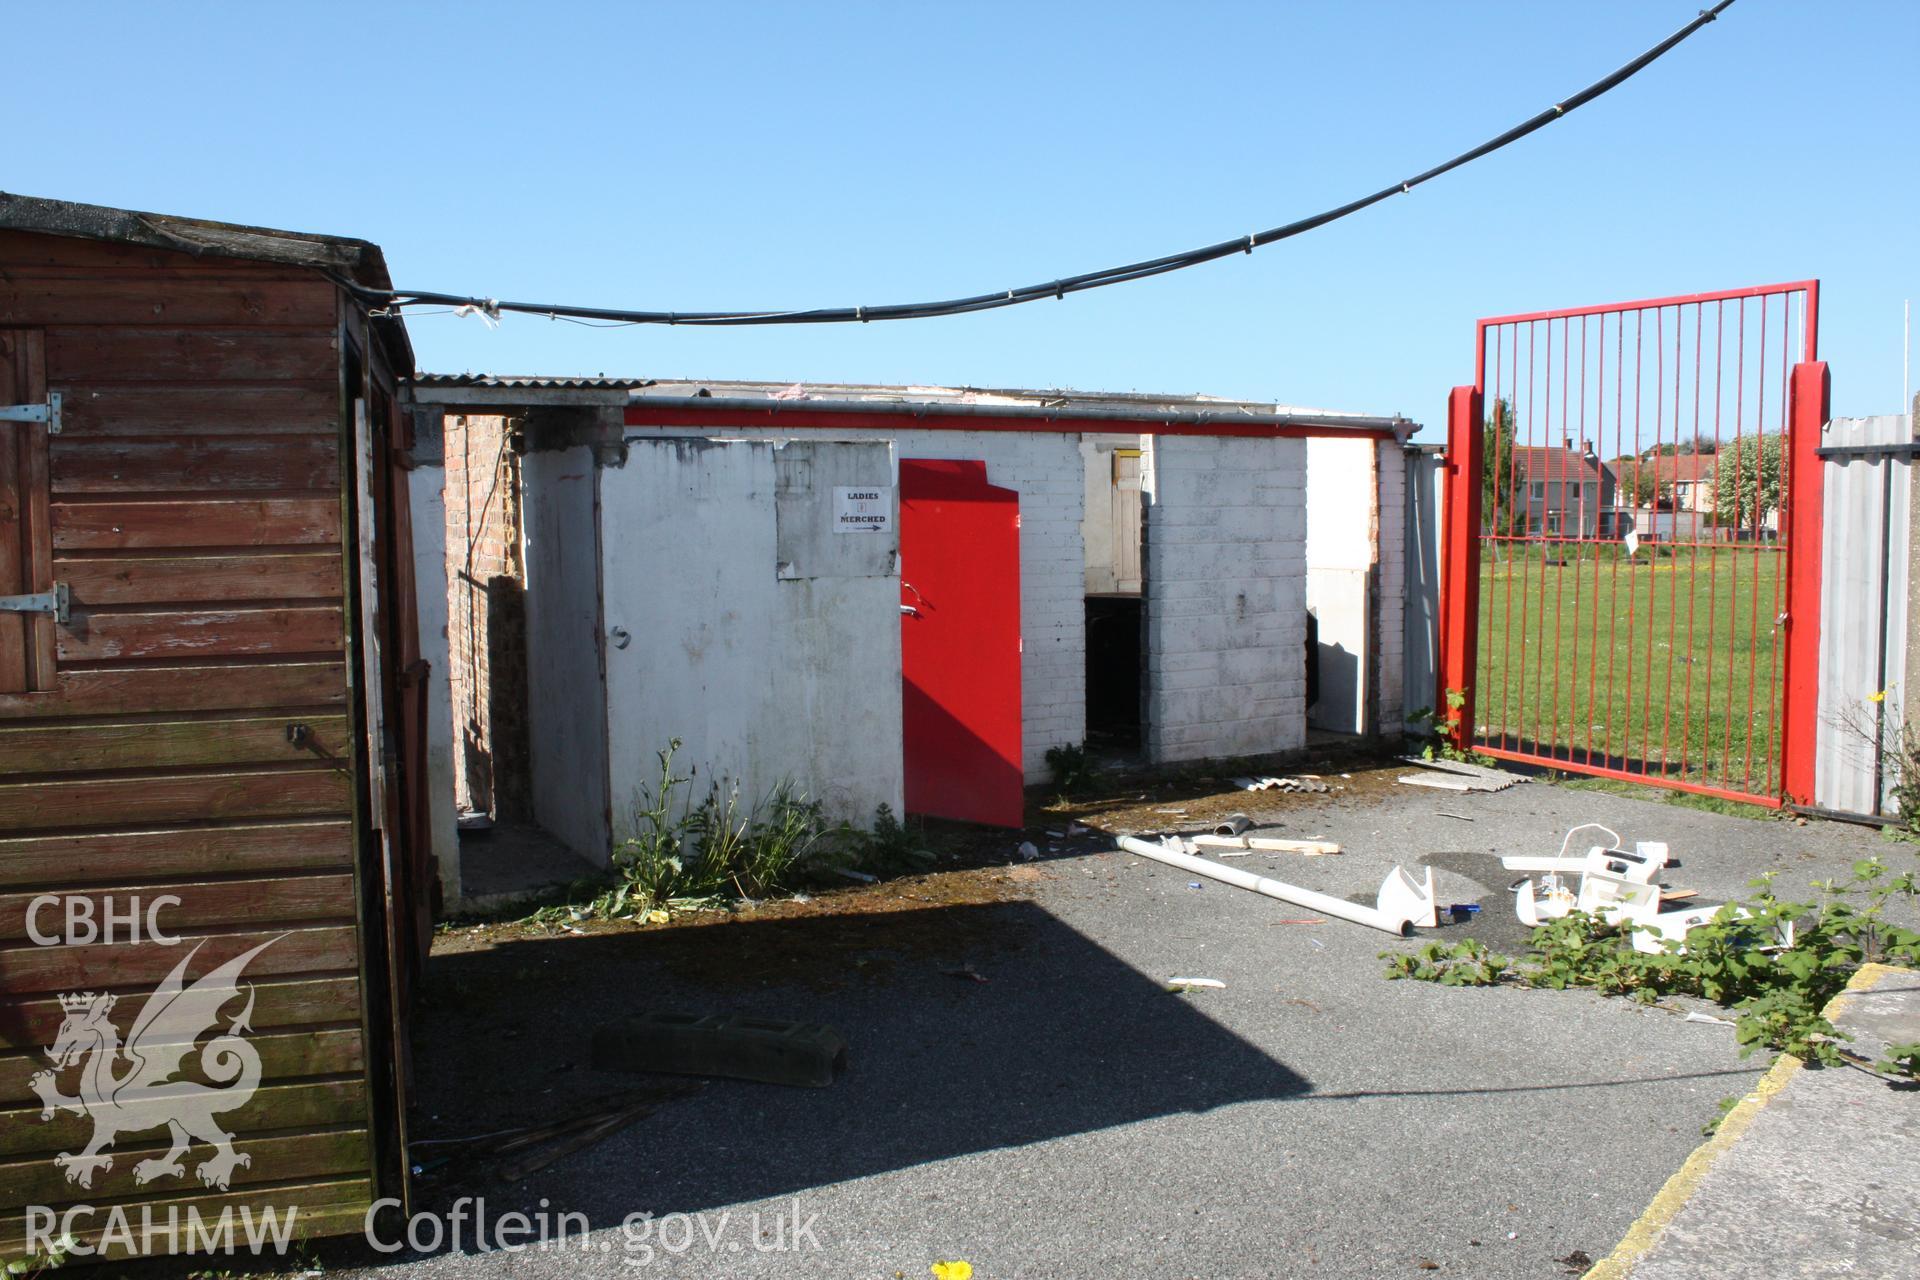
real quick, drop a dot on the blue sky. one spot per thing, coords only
(718, 155)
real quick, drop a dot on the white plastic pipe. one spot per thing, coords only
(1339, 908)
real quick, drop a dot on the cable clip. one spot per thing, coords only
(1250, 245)
(860, 314)
(488, 311)
(1060, 290)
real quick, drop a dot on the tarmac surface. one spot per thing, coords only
(1070, 1117)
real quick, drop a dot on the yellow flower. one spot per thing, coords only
(1877, 697)
(658, 916)
(955, 1270)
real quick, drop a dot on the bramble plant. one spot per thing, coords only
(1464, 964)
(1901, 1060)
(1776, 991)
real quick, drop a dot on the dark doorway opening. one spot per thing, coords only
(1113, 672)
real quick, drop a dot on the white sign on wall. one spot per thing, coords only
(862, 510)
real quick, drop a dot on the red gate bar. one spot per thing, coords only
(1460, 560)
(1572, 617)
(1810, 411)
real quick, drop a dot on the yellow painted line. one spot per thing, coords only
(1671, 1198)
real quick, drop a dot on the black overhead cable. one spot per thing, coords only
(391, 299)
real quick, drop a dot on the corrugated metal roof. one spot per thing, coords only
(1011, 398)
(523, 383)
(735, 395)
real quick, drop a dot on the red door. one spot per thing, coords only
(960, 642)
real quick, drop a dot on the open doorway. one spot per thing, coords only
(1110, 534)
(1342, 522)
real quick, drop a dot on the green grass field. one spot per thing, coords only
(1625, 657)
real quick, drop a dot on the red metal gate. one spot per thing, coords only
(1631, 566)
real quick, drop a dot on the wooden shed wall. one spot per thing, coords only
(195, 508)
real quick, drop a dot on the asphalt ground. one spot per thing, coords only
(1071, 1117)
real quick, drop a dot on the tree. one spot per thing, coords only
(1640, 483)
(1503, 478)
(1746, 482)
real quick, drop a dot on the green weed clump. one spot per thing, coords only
(1072, 771)
(679, 854)
(1739, 959)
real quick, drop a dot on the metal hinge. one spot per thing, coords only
(48, 413)
(53, 601)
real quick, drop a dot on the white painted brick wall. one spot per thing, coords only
(1226, 597)
(1046, 469)
(1390, 591)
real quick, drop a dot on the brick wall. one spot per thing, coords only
(1226, 598)
(1047, 471)
(486, 618)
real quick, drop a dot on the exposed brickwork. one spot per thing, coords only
(486, 622)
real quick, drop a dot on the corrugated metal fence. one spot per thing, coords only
(1863, 611)
(1425, 486)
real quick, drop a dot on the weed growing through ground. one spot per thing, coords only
(678, 854)
(1435, 735)
(1464, 964)
(1737, 959)
(1072, 771)
(1720, 1115)
(1901, 1060)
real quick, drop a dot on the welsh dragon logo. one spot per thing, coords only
(133, 1087)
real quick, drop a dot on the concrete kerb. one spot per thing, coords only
(1679, 1189)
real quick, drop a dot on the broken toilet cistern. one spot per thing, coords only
(1614, 884)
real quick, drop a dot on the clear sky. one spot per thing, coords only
(697, 156)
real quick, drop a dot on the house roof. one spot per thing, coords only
(1664, 469)
(1546, 463)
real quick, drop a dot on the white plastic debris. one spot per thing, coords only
(1241, 846)
(1615, 885)
(1028, 850)
(1401, 903)
(1211, 983)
